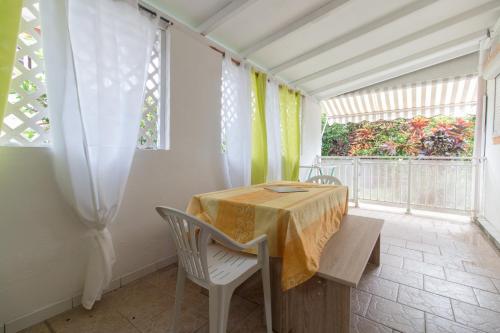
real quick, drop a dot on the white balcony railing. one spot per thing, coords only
(432, 183)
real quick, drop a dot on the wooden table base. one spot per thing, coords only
(318, 305)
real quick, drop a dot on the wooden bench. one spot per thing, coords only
(323, 303)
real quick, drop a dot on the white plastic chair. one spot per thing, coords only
(217, 266)
(324, 180)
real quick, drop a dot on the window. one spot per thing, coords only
(26, 120)
(154, 129)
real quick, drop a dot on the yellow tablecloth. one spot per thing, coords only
(297, 224)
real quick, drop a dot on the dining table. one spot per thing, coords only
(297, 218)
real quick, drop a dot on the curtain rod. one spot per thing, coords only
(222, 52)
(146, 9)
(238, 63)
(235, 61)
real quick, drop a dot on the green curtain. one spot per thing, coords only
(259, 133)
(10, 15)
(290, 133)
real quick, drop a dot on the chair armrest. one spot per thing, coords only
(254, 242)
(237, 246)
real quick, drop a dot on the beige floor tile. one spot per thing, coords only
(449, 289)
(445, 261)
(363, 325)
(253, 323)
(438, 240)
(162, 323)
(384, 247)
(480, 249)
(490, 269)
(496, 282)
(166, 279)
(469, 279)
(38, 328)
(423, 247)
(476, 317)
(377, 286)
(406, 253)
(424, 268)
(403, 276)
(393, 241)
(488, 300)
(359, 301)
(141, 302)
(468, 253)
(435, 324)
(404, 232)
(372, 269)
(480, 244)
(425, 301)
(98, 320)
(391, 260)
(395, 315)
(251, 289)
(240, 309)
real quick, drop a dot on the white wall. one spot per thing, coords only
(492, 167)
(42, 243)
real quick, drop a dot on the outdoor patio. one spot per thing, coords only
(438, 274)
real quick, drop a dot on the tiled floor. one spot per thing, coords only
(436, 276)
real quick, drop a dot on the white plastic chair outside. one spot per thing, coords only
(218, 268)
(324, 180)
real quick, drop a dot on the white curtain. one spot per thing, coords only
(273, 131)
(311, 134)
(96, 54)
(236, 123)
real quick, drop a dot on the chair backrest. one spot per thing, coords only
(324, 180)
(188, 234)
(191, 237)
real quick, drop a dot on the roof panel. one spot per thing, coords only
(476, 24)
(261, 19)
(398, 29)
(190, 12)
(335, 24)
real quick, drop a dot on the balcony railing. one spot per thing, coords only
(431, 183)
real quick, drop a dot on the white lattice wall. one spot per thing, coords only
(26, 122)
(228, 102)
(149, 130)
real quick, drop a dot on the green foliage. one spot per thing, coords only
(437, 136)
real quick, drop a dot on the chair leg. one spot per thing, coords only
(266, 285)
(219, 302)
(179, 295)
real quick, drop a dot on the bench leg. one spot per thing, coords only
(320, 306)
(340, 297)
(375, 256)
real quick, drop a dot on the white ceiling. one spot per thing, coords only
(327, 48)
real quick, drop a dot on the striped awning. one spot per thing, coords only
(451, 96)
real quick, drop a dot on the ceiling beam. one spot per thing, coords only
(435, 55)
(308, 18)
(401, 41)
(223, 15)
(384, 20)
